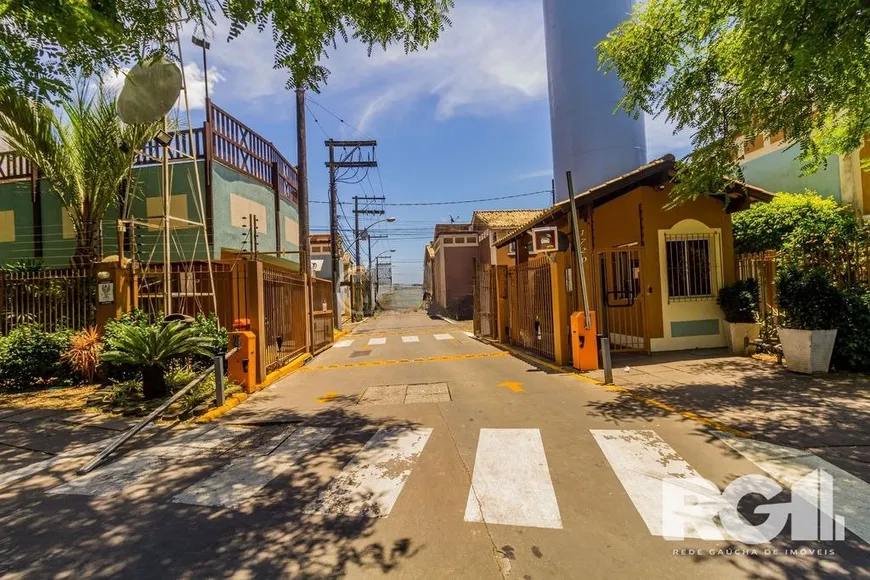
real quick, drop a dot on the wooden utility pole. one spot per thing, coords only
(357, 235)
(302, 206)
(333, 165)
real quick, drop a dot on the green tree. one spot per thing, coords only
(82, 153)
(47, 42)
(723, 69)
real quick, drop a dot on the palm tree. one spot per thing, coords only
(152, 347)
(86, 154)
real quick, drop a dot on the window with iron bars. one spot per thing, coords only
(690, 266)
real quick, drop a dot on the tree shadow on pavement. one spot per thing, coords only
(140, 532)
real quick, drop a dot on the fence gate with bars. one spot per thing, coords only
(52, 299)
(619, 292)
(531, 307)
(485, 308)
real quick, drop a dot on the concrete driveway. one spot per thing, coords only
(412, 450)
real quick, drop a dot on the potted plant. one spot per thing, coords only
(811, 307)
(739, 302)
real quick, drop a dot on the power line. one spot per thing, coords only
(340, 120)
(432, 203)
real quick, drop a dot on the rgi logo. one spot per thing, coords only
(697, 502)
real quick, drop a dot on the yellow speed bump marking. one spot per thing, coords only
(515, 387)
(381, 363)
(328, 397)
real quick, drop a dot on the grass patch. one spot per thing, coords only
(59, 398)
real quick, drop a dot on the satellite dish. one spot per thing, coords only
(150, 91)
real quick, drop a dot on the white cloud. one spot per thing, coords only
(661, 139)
(535, 174)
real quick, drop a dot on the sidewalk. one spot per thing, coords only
(830, 412)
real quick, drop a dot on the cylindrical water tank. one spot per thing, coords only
(589, 139)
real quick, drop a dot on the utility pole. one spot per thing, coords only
(345, 163)
(357, 212)
(302, 190)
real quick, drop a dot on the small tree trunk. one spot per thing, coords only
(153, 382)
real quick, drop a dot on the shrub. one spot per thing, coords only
(113, 330)
(178, 376)
(739, 301)
(769, 226)
(152, 348)
(808, 300)
(30, 356)
(852, 350)
(83, 355)
(218, 337)
(125, 392)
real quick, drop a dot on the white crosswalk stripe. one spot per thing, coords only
(244, 477)
(642, 460)
(469, 334)
(371, 483)
(788, 466)
(511, 483)
(114, 477)
(376, 341)
(410, 339)
(443, 337)
(343, 344)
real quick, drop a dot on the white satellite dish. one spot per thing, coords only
(150, 91)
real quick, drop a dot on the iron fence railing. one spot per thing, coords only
(321, 306)
(284, 316)
(531, 307)
(52, 299)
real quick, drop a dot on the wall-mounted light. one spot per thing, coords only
(163, 138)
(103, 275)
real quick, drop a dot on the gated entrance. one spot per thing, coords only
(531, 307)
(619, 292)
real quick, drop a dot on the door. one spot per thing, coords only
(620, 297)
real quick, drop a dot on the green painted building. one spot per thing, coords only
(242, 179)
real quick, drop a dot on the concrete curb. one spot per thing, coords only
(712, 423)
(239, 398)
(445, 319)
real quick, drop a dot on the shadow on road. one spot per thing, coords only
(141, 533)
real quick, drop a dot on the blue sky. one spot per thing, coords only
(467, 119)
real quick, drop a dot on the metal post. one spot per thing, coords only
(578, 254)
(369, 277)
(167, 197)
(605, 359)
(354, 306)
(219, 379)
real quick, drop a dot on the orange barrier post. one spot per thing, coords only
(584, 342)
(242, 366)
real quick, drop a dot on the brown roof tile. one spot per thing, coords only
(505, 219)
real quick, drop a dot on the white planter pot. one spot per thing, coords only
(807, 351)
(739, 334)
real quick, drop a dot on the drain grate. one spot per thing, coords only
(405, 394)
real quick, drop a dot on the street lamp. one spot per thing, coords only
(204, 45)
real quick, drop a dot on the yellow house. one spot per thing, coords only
(652, 273)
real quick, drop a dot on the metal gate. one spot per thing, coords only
(284, 316)
(484, 301)
(530, 296)
(620, 293)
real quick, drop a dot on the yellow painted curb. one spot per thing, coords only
(339, 335)
(238, 398)
(623, 391)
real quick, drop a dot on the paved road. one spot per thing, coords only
(412, 450)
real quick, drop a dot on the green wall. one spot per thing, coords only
(226, 184)
(186, 243)
(781, 171)
(15, 197)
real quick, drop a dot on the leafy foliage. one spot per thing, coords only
(739, 301)
(29, 356)
(218, 336)
(112, 332)
(770, 226)
(730, 68)
(47, 43)
(808, 300)
(80, 155)
(852, 350)
(83, 354)
(153, 347)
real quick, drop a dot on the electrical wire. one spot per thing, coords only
(457, 202)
